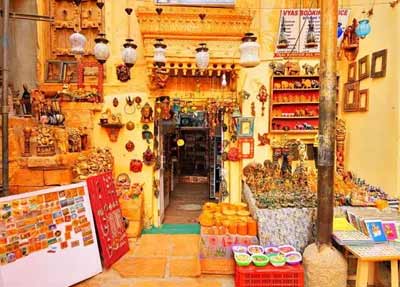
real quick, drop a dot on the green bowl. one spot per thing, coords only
(263, 260)
(242, 259)
(277, 260)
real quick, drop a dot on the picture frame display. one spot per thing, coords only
(245, 127)
(53, 71)
(70, 72)
(352, 72)
(363, 68)
(363, 100)
(246, 148)
(378, 66)
(351, 91)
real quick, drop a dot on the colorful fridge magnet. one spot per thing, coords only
(375, 230)
(390, 230)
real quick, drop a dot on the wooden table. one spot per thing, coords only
(368, 255)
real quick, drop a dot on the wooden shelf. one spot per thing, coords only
(291, 90)
(293, 118)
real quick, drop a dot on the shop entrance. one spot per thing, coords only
(191, 166)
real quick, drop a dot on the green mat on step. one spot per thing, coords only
(174, 229)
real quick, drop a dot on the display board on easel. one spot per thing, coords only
(48, 238)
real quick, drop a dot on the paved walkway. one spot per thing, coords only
(159, 260)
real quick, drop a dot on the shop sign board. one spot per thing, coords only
(295, 25)
(48, 238)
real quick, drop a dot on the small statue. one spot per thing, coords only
(61, 140)
(264, 140)
(26, 101)
(147, 114)
(309, 70)
(97, 161)
(74, 140)
(292, 68)
(149, 157)
(277, 68)
(262, 97)
(165, 109)
(45, 142)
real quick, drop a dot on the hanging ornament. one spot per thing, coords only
(363, 28)
(202, 56)
(115, 102)
(262, 97)
(123, 73)
(130, 146)
(283, 41)
(138, 101)
(101, 49)
(130, 125)
(180, 142)
(160, 49)
(136, 165)
(249, 51)
(129, 54)
(148, 157)
(224, 83)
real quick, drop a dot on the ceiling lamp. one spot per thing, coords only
(101, 49)
(160, 49)
(78, 40)
(249, 51)
(202, 56)
(129, 52)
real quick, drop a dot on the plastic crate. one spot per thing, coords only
(269, 276)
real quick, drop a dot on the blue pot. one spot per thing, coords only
(363, 28)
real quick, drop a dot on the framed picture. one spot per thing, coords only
(245, 127)
(352, 72)
(53, 71)
(378, 69)
(363, 68)
(91, 74)
(70, 72)
(351, 97)
(246, 147)
(363, 100)
(375, 230)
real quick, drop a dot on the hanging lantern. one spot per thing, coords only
(78, 42)
(249, 51)
(363, 28)
(129, 53)
(160, 49)
(101, 49)
(202, 56)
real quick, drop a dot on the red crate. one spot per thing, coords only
(269, 276)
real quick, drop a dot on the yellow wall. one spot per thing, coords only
(372, 144)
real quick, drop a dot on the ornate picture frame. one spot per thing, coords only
(378, 66)
(350, 100)
(363, 68)
(363, 100)
(352, 72)
(246, 148)
(91, 74)
(53, 71)
(245, 127)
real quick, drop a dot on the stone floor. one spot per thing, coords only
(159, 261)
(184, 198)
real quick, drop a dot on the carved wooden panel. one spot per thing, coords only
(67, 18)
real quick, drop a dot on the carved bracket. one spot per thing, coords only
(112, 131)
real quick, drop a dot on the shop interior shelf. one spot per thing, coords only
(293, 118)
(294, 103)
(289, 90)
(294, 131)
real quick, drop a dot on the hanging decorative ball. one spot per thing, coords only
(202, 56)
(78, 42)
(115, 102)
(130, 146)
(123, 73)
(101, 49)
(130, 125)
(363, 28)
(129, 53)
(339, 30)
(160, 49)
(249, 51)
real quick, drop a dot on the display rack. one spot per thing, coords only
(294, 109)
